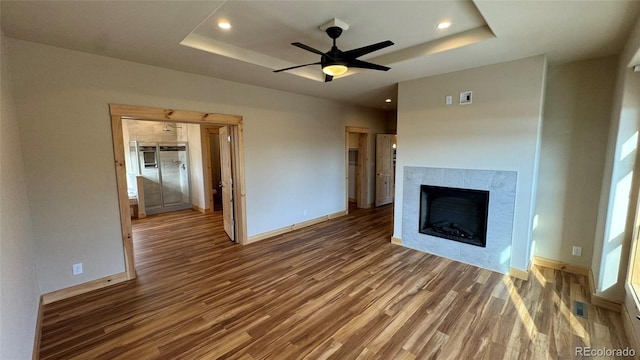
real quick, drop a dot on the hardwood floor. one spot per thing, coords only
(337, 290)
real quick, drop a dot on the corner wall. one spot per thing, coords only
(498, 131)
(619, 194)
(196, 169)
(575, 130)
(632, 108)
(19, 292)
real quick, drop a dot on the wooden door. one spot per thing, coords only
(384, 169)
(227, 182)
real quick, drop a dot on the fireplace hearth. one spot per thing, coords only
(454, 214)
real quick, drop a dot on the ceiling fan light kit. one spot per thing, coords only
(336, 62)
(335, 70)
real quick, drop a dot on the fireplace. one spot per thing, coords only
(454, 214)
(499, 185)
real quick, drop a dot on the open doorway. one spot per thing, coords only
(158, 166)
(236, 183)
(357, 160)
(219, 164)
(212, 173)
(385, 168)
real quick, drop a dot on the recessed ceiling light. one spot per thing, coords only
(224, 25)
(387, 100)
(444, 25)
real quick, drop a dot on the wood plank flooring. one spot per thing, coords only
(336, 290)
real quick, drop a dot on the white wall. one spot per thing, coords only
(19, 292)
(614, 242)
(499, 131)
(294, 150)
(630, 115)
(575, 129)
(615, 218)
(196, 170)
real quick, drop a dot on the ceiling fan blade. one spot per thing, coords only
(327, 78)
(355, 53)
(297, 66)
(307, 47)
(367, 65)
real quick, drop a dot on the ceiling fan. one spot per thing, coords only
(336, 62)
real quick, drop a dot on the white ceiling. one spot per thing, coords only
(483, 32)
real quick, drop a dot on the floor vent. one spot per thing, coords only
(580, 309)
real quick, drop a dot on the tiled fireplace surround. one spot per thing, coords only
(502, 194)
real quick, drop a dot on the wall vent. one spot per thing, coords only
(580, 309)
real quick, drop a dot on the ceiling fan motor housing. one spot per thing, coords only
(334, 32)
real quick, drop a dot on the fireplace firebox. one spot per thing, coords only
(454, 214)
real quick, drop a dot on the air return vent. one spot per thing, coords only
(580, 309)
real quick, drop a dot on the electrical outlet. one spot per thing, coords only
(77, 269)
(448, 100)
(577, 251)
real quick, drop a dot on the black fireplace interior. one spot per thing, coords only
(454, 214)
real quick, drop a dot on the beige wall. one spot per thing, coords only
(611, 248)
(619, 188)
(294, 150)
(630, 116)
(19, 293)
(498, 131)
(574, 136)
(196, 169)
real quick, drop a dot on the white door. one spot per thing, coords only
(226, 181)
(384, 169)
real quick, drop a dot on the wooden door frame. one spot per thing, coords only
(119, 113)
(362, 179)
